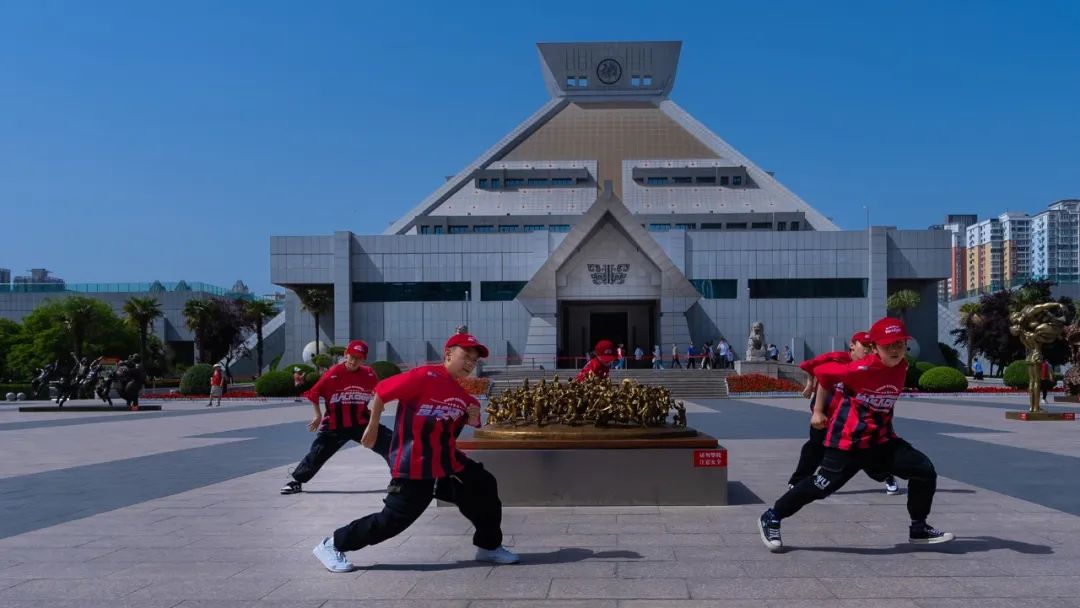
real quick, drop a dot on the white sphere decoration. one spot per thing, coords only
(10, 396)
(309, 351)
(913, 348)
(20, 397)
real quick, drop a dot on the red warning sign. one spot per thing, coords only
(710, 458)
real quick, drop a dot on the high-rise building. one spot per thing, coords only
(956, 284)
(1055, 246)
(1015, 247)
(5, 276)
(984, 244)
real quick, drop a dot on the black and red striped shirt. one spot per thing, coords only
(862, 411)
(347, 395)
(431, 413)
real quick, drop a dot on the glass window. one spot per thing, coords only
(509, 228)
(500, 291)
(533, 227)
(685, 226)
(659, 227)
(712, 226)
(656, 181)
(537, 181)
(794, 226)
(432, 291)
(635, 81)
(717, 289)
(781, 226)
(736, 226)
(484, 228)
(482, 182)
(425, 229)
(646, 81)
(562, 181)
(559, 228)
(736, 180)
(571, 81)
(582, 81)
(514, 182)
(723, 180)
(807, 288)
(761, 226)
(682, 180)
(495, 182)
(439, 230)
(710, 179)
(459, 229)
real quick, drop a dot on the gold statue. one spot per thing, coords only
(1036, 326)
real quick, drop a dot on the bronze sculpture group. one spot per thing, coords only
(84, 379)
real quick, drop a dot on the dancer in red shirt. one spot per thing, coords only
(346, 388)
(599, 365)
(860, 436)
(432, 410)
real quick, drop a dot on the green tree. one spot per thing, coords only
(141, 313)
(902, 301)
(53, 330)
(969, 325)
(10, 335)
(316, 300)
(217, 324)
(257, 313)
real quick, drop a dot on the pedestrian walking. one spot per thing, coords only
(217, 385)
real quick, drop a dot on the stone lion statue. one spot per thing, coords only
(755, 344)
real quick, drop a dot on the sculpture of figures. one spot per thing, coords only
(1036, 326)
(755, 344)
(40, 384)
(90, 379)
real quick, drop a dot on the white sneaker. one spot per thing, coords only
(330, 557)
(501, 555)
(890, 486)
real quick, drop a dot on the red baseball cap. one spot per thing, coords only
(358, 348)
(467, 341)
(861, 337)
(605, 351)
(888, 330)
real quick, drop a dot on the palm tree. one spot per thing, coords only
(258, 312)
(902, 301)
(77, 316)
(316, 300)
(141, 313)
(965, 334)
(198, 315)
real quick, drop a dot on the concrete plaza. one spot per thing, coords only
(181, 508)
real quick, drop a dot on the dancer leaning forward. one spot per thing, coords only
(425, 462)
(860, 436)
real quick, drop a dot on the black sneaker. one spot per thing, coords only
(925, 534)
(769, 528)
(292, 487)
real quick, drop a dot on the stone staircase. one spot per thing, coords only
(683, 383)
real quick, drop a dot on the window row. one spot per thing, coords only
(435, 291)
(780, 226)
(703, 180)
(514, 183)
(491, 228)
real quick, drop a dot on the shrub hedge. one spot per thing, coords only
(196, 380)
(385, 369)
(943, 380)
(1016, 374)
(277, 383)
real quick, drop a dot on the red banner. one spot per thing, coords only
(710, 458)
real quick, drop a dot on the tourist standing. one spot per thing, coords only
(298, 382)
(656, 358)
(217, 388)
(432, 410)
(691, 352)
(675, 357)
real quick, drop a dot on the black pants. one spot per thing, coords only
(810, 456)
(474, 491)
(327, 443)
(896, 457)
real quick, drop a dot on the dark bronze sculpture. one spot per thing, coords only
(39, 386)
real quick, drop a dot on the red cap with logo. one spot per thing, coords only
(861, 337)
(358, 348)
(888, 330)
(467, 341)
(605, 351)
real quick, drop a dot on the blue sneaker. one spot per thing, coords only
(500, 555)
(330, 557)
(769, 529)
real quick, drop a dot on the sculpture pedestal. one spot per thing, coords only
(566, 471)
(772, 369)
(1041, 416)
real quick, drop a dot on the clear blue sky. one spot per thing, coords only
(152, 140)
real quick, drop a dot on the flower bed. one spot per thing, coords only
(992, 390)
(760, 383)
(228, 395)
(475, 386)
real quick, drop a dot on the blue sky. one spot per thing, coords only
(150, 140)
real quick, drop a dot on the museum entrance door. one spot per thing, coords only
(583, 323)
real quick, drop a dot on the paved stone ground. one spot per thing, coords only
(180, 508)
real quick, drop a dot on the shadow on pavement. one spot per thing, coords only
(558, 556)
(960, 546)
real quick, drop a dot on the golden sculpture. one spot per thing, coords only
(1036, 326)
(562, 409)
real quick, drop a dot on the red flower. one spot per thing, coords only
(760, 383)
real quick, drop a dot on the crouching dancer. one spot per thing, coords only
(860, 436)
(424, 460)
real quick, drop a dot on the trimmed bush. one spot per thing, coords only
(1016, 374)
(323, 360)
(196, 380)
(943, 380)
(276, 384)
(385, 369)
